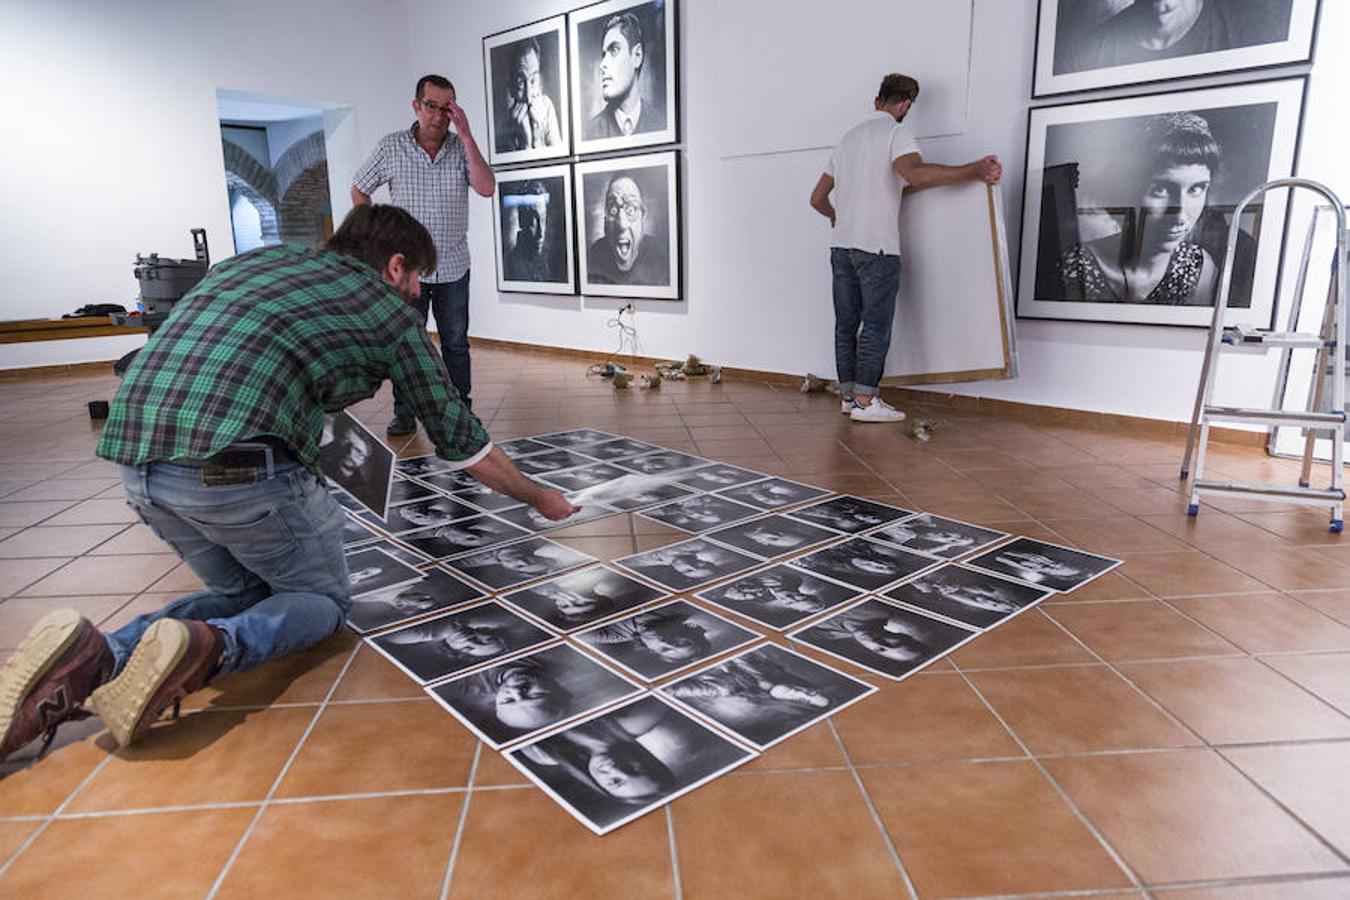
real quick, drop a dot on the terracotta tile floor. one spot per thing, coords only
(1180, 727)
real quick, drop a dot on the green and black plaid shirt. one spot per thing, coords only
(267, 344)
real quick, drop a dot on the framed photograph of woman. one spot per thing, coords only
(1178, 160)
(1085, 44)
(623, 65)
(527, 90)
(533, 228)
(628, 210)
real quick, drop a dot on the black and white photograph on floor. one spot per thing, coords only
(850, 515)
(772, 536)
(418, 466)
(628, 218)
(582, 478)
(773, 493)
(522, 447)
(630, 492)
(357, 461)
(666, 639)
(354, 532)
(372, 569)
(614, 767)
(528, 517)
(405, 490)
(1060, 569)
(1129, 203)
(700, 513)
(617, 448)
(552, 461)
(530, 694)
(575, 437)
(1085, 44)
(528, 89)
(779, 597)
(624, 89)
(533, 230)
(432, 511)
(864, 563)
(444, 480)
(463, 536)
(883, 638)
(396, 550)
(513, 564)
(485, 498)
(938, 536)
(345, 500)
(660, 462)
(387, 607)
(688, 564)
(767, 693)
(973, 598)
(578, 599)
(459, 641)
(718, 476)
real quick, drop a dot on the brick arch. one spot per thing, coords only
(304, 205)
(240, 163)
(298, 159)
(267, 212)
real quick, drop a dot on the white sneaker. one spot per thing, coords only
(876, 411)
(846, 406)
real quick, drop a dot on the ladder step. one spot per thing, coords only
(1274, 491)
(1301, 418)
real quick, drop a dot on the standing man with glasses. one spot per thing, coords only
(429, 170)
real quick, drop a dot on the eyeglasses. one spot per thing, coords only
(435, 107)
(631, 209)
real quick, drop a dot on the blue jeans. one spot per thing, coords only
(865, 285)
(269, 553)
(449, 303)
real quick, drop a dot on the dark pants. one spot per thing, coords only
(865, 286)
(449, 303)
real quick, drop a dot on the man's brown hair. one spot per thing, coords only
(373, 233)
(896, 89)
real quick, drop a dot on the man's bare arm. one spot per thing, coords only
(920, 174)
(820, 198)
(481, 177)
(498, 472)
(359, 197)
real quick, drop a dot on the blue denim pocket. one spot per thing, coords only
(257, 539)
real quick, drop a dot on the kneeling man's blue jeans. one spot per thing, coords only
(865, 285)
(269, 553)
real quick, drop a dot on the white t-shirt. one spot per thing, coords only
(866, 189)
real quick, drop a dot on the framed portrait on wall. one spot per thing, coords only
(623, 67)
(1085, 44)
(1128, 203)
(533, 229)
(527, 90)
(628, 212)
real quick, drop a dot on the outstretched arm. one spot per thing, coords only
(820, 198)
(920, 174)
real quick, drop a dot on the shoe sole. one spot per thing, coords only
(877, 421)
(53, 635)
(122, 702)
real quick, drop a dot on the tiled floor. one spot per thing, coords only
(1179, 728)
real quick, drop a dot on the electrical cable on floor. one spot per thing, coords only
(627, 335)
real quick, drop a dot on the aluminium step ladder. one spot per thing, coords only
(1330, 346)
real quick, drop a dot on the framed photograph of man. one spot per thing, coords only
(527, 90)
(623, 65)
(1086, 44)
(628, 213)
(1178, 160)
(533, 227)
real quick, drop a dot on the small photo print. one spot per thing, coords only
(767, 694)
(850, 515)
(662, 462)
(610, 769)
(630, 492)
(700, 513)
(513, 564)
(772, 536)
(397, 551)
(553, 461)
(882, 638)
(484, 497)
(392, 606)
(371, 569)
(528, 517)
(864, 563)
(688, 564)
(419, 466)
(1051, 566)
(615, 449)
(523, 447)
(580, 479)
(354, 532)
(463, 536)
(458, 641)
(429, 512)
(773, 493)
(667, 639)
(972, 598)
(718, 476)
(403, 490)
(583, 598)
(936, 536)
(358, 461)
(575, 438)
(779, 596)
(450, 481)
(529, 694)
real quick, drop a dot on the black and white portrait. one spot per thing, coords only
(772, 493)
(1133, 199)
(519, 447)
(767, 693)
(359, 462)
(582, 478)
(937, 536)
(459, 641)
(582, 598)
(405, 490)
(484, 497)
(528, 116)
(576, 437)
(883, 638)
(1084, 44)
(397, 551)
(530, 694)
(623, 74)
(688, 564)
(700, 513)
(513, 564)
(418, 466)
(528, 517)
(463, 536)
(354, 532)
(779, 596)
(718, 476)
(434, 511)
(660, 462)
(850, 515)
(552, 461)
(631, 492)
(390, 606)
(452, 480)
(864, 563)
(658, 642)
(972, 598)
(371, 569)
(772, 536)
(1051, 566)
(628, 217)
(618, 448)
(612, 768)
(533, 230)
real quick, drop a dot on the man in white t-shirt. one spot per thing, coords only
(868, 169)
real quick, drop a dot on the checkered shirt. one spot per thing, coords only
(267, 344)
(435, 191)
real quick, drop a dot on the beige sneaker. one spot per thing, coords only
(846, 406)
(876, 411)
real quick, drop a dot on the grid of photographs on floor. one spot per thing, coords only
(659, 659)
